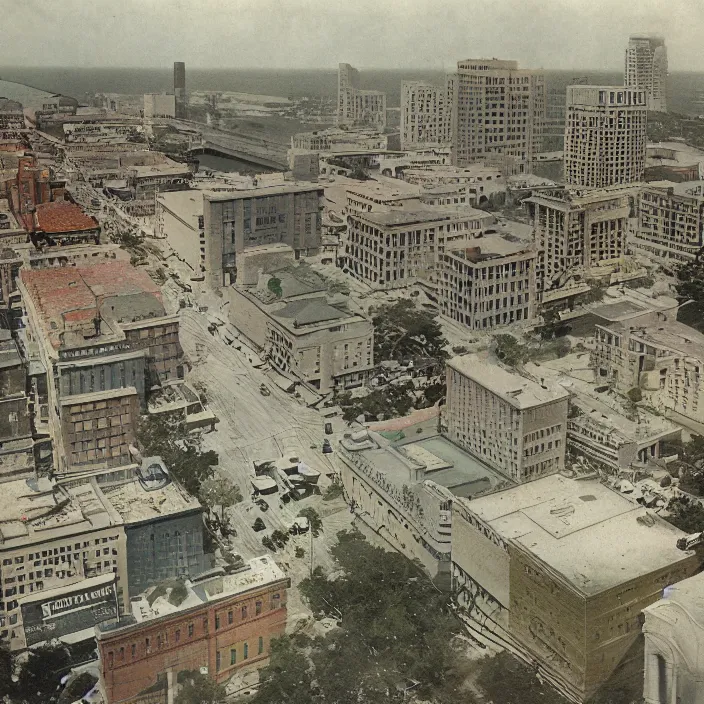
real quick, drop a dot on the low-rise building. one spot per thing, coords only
(148, 180)
(304, 332)
(287, 215)
(61, 223)
(335, 139)
(665, 362)
(218, 624)
(490, 283)
(514, 424)
(562, 568)
(425, 114)
(404, 490)
(670, 225)
(56, 541)
(11, 115)
(674, 644)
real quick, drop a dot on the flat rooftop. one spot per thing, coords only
(520, 392)
(420, 215)
(591, 535)
(263, 191)
(309, 311)
(490, 247)
(692, 189)
(669, 334)
(256, 573)
(135, 504)
(37, 511)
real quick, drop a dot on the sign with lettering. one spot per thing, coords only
(77, 609)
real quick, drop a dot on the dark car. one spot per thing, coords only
(263, 505)
(328, 428)
(327, 447)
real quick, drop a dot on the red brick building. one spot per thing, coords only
(63, 223)
(225, 623)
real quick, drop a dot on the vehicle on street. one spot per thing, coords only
(327, 447)
(263, 505)
(328, 428)
(264, 390)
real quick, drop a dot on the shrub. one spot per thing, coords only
(635, 394)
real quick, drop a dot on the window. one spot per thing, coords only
(190, 630)
(147, 645)
(258, 608)
(217, 661)
(233, 656)
(245, 653)
(178, 635)
(217, 622)
(134, 650)
(261, 645)
(230, 617)
(244, 612)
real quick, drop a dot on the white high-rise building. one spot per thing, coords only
(425, 114)
(497, 110)
(356, 106)
(605, 135)
(646, 68)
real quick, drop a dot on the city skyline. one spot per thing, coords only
(308, 34)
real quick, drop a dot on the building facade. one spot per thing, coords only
(425, 115)
(664, 361)
(670, 226)
(646, 68)
(490, 284)
(674, 645)
(225, 623)
(234, 223)
(497, 110)
(159, 105)
(515, 425)
(393, 249)
(580, 233)
(605, 135)
(356, 106)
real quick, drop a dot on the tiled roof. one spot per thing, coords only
(71, 294)
(63, 216)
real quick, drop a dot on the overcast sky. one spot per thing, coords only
(432, 34)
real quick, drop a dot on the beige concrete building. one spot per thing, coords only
(425, 115)
(674, 644)
(580, 233)
(393, 248)
(664, 360)
(159, 105)
(497, 110)
(515, 425)
(670, 226)
(305, 333)
(356, 106)
(55, 539)
(335, 139)
(235, 223)
(605, 135)
(646, 68)
(561, 569)
(491, 283)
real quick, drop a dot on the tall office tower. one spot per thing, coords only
(180, 88)
(646, 68)
(605, 135)
(497, 110)
(356, 107)
(425, 114)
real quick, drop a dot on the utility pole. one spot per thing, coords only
(310, 529)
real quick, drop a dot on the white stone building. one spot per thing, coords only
(605, 135)
(646, 68)
(159, 105)
(514, 424)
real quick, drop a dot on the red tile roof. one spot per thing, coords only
(71, 294)
(63, 216)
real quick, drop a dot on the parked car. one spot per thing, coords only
(328, 428)
(263, 505)
(327, 447)
(264, 390)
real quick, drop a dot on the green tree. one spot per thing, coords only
(685, 514)
(199, 689)
(7, 686)
(510, 351)
(39, 679)
(402, 331)
(219, 492)
(287, 679)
